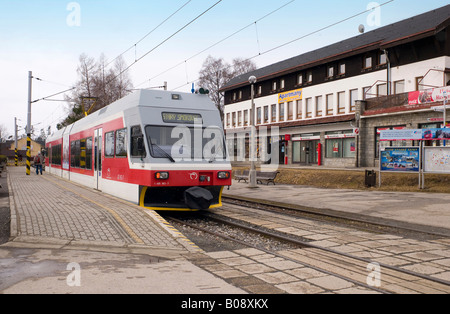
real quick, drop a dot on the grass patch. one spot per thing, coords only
(355, 179)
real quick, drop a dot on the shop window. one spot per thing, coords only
(340, 147)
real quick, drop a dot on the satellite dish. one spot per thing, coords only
(361, 29)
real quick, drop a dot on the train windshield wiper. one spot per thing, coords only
(163, 152)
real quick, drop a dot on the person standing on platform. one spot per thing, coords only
(38, 160)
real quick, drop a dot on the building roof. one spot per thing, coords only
(408, 30)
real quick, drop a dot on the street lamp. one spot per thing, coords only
(253, 183)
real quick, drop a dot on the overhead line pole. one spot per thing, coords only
(30, 78)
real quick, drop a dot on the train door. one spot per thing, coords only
(98, 148)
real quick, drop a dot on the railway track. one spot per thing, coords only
(365, 272)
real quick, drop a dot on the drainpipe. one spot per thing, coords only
(389, 92)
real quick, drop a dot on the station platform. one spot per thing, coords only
(427, 212)
(60, 229)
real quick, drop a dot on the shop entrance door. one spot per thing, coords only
(308, 152)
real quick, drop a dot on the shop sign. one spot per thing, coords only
(290, 96)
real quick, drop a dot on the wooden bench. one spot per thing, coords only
(244, 176)
(266, 177)
(261, 177)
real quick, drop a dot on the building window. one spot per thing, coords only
(381, 90)
(282, 84)
(419, 83)
(353, 99)
(246, 118)
(228, 120)
(234, 119)
(240, 118)
(367, 62)
(266, 114)
(274, 86)
(234, 96)
(330, 72)
(341, 102)
(319, 106)
(299, 109)
(259, 90)
(281, 112)
(399, 87)
(382, 59)
(240, 95)
(300, 79)
(309, 77)
(290, 110)
(309, 108)
(274, 113)
(341, 69)
(329, 105)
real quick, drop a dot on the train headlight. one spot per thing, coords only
(162, 176)
(223, 175)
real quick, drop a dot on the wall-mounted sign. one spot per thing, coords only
(290, 96)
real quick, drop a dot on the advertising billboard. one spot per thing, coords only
(400, 159)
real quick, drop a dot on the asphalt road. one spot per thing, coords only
(4, 209)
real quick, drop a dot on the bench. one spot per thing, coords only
(261, 177)
(244, 176)
(267, 177)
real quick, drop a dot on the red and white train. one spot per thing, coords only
(159, 149)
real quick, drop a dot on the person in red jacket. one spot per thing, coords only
(38, 160)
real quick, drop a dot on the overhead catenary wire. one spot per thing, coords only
(166, 40)
(219, 42)
(148, 34)
(303, 37)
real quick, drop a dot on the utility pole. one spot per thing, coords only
(16, 157)
(30, 78)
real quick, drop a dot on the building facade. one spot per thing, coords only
(330, 104)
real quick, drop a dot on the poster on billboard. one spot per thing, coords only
(400, 159)
(428, 96)
(437, 159)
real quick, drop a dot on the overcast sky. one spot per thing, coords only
(48, 36)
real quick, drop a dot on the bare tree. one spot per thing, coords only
(99, 82)
(215, 73)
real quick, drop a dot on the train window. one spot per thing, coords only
(89, 153)
(137, 143)
(56, 155)
(121, 143)
(75, 154)
(109, 145)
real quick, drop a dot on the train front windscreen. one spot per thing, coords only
(186, 143)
